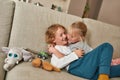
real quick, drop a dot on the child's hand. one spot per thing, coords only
(51, 48)
(79, 52)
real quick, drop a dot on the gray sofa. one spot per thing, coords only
(24, 25)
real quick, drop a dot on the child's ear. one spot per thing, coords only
(54, 42)
(5, 49)
(53, 39)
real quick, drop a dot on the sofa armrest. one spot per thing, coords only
(2, 72)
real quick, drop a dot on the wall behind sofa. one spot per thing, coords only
(110, 12)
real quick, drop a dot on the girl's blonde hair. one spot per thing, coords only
(51, 31)
(80, 26)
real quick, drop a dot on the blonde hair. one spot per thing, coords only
(80, 26)
(51, 31)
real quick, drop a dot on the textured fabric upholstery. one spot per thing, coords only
(2, 72)
(32, 21)
(29, 25)
(99, 32)
(25, 71)
(6, 15)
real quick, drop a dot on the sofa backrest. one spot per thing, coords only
(6, 15)
(30, 23)
(100, 32)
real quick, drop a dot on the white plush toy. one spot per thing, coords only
(14, 56)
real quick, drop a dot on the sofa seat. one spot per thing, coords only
(25, 71)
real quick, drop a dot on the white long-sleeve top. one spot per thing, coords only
(64, 61)
(69, 55)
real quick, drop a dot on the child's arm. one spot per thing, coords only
(67, 59)
(52, 49)
(78, 52)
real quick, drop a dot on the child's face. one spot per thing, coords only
(73, 36)
(60, 37)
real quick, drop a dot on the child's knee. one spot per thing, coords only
(108, 45)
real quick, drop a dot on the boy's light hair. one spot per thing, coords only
(80, 26)
(50, 33)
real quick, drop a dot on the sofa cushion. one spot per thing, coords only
(25, 71)
(2, 72)
(100, 32)
(6, 14)
(30, 23)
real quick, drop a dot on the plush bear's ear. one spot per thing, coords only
(5, 49)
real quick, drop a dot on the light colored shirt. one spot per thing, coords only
(69, 54)
(81, 45)
(64, 61)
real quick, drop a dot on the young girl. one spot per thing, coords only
(76, 37)
(93, 65)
